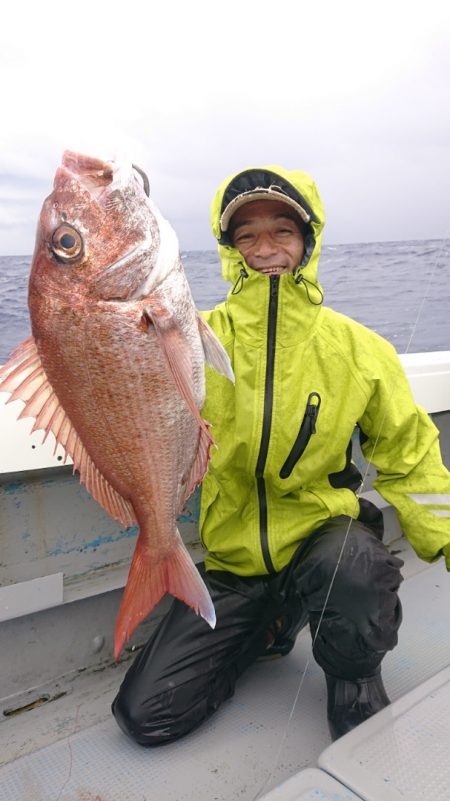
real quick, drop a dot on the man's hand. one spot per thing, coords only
(446, 552)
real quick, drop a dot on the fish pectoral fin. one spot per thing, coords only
(25, 378)
(150, 578)
(178, 359)
(215, 353)
(177, 353)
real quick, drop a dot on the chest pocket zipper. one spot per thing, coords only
(307, 428)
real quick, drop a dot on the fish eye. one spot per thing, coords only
(66, 243)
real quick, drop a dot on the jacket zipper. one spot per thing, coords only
(267, 421)
(307, 428)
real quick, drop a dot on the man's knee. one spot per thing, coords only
(157, 720)
(352, 554)
(174, 711)
(365, 566)
(130, 716)
(348, 570)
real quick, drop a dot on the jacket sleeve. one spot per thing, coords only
(403, 445)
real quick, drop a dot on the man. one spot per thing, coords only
(289, 541)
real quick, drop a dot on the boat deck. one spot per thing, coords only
(72, 750)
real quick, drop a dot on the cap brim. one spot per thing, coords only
(260, 194)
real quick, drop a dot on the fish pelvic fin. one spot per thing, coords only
(24, 377)
(149, 580)
(215, 353)
(199, 465)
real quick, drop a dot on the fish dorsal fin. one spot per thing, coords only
(25, 378)
(215, 353)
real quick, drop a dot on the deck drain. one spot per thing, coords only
(42, 699)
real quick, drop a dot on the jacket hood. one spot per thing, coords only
(299, 185)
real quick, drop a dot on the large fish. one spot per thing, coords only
(115, 368)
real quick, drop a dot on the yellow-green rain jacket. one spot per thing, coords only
(305, 376)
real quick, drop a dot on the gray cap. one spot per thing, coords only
(272, 192)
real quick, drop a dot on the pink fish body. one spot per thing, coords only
(115, 369)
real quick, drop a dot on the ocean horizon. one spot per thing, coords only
(400, 289)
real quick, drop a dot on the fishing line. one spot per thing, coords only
(428, 284)
(69, 744)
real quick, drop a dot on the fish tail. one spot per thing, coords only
(149, 580)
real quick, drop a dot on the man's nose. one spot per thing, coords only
(265, 246)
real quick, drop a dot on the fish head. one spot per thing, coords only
(99, 234)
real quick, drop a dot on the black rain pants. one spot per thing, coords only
(187, 669)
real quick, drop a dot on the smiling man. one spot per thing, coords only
(269, 236)
(289, 540)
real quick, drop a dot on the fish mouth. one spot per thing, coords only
(92, 173)
(95, 175)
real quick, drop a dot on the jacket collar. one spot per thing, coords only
(248, 306)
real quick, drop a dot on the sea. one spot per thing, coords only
(401, 290)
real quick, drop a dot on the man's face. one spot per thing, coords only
(268, 236)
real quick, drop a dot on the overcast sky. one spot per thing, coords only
(356, 93)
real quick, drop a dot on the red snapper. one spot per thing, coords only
(115, 369)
